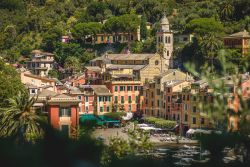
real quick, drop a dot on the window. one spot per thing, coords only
(64, 112)
(135, 88)
(185, 107)
(194, 120)
(169, 90)
(168, 98)
(174, 117)
(178, 117)
(194, 98)
(116, 88)
(107, 109)
(136, 99)
(100, 98)
(158, 103)
(102, 38)
(116, 99)
(122, 88)
(122, 99)
(194, 109)
(129, 88)
(152, 94)
(202, 121)
(79, 97)
(169, 40)
(158, 92)
(167, 53)
(186, 117)
(129, 108)
(168, 108)
(129, 99)
(152, 103)
(33, 91)
(166, 39)
(187, 97)
(156, 62)
(101, 109)
(86, 109)
(108, 98)
(184, 98)
(86, 99)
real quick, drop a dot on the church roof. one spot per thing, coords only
(164, 20)
(241, 34)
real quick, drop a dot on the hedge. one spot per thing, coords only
(115, 115)
(159, 122)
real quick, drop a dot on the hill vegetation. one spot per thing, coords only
(39, 24)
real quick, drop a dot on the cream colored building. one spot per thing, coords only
(154, 92)
(41, 62)
(165, 42)
(38, 82)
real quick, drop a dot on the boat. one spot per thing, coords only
(184, 162)
(162, 149)
(201, 161)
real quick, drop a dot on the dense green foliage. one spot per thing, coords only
(115, 115)
(20, 120)
(39, 24)
(159, 122)
(10, 83)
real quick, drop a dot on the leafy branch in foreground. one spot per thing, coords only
(20, 119)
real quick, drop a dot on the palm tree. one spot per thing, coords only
(227, 10)
(211, 45)
(20, 120)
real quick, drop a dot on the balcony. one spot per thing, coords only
(125, 82)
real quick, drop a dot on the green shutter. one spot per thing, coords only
(69, 111)
(60, 112)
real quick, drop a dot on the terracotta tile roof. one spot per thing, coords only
(118, 66)
(39, 77)
(93, 68)
(241, 34)
(101, 90)
(111, 57)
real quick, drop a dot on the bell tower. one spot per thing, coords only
(165, 43)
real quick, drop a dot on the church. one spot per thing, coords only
(143, 67)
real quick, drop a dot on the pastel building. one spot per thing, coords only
(154, 92)
(239, 40)
(165, 42)
(41, 62)
(37, 81)
(144, 66)
(62, 110)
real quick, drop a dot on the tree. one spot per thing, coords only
(82, 30)
(72, 64)
(50, 38)
(203, 26)
(143, 27)
(10, 83)
(211, 45)
(20, 120)
(64, 50)
(227, 10)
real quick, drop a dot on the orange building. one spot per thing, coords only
(62, 110)
(240, 40)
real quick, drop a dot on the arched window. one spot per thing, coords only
(167, 53)
(169, 40)
(166, 39)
